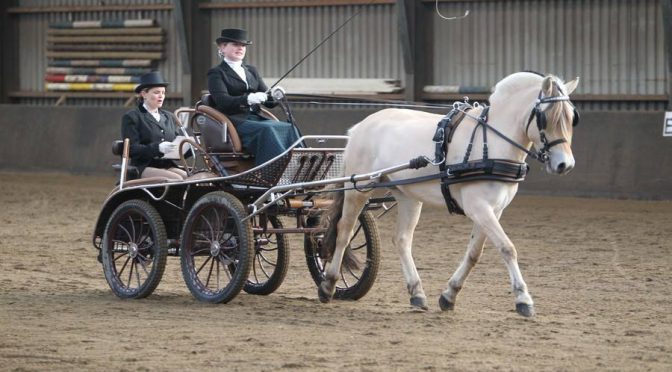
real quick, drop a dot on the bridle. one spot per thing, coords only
(540, 116)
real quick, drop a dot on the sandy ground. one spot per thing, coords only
(599, 270)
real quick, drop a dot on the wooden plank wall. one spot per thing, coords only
(102, 55)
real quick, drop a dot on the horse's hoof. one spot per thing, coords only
(323, 295)
(525, 310)
(445, 304)
(419, 303)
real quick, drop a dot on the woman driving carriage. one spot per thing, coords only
(151, 130)
(237, 90)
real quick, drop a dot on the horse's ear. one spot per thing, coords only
(571, 86)
(547, 86)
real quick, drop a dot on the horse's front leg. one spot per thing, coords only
(408, 214)
(486, 219)
(471, 257)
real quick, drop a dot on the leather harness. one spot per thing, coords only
(484, 169)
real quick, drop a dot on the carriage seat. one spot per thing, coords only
(217, 132)
(220, 135)
(132, 172)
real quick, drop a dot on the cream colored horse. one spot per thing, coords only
(393, 136)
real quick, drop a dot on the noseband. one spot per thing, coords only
(540, 115)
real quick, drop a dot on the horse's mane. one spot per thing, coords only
(558, 113)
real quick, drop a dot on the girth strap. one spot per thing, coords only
(441, 152)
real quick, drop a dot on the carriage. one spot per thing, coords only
(225, 225)
(228, 222)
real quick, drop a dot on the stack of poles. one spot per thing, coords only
(102, 55)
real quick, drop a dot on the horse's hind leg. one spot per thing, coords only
(489, 222)
(471, 257)
(352, 206)
(408, 214)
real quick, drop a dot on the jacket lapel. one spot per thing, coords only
(232, 74)
(251, 79)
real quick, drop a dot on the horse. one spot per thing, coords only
(393, 136)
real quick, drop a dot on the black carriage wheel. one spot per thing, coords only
(134, 249)
(352, 284)
(216, 248)
(271, 260)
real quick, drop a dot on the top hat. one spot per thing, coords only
(149, 80)
(234, 34)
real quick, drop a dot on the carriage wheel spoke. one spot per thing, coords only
(355, 233)
(130, 218)
(205, 249)
(363, 245)
(120, 254)
(262, 259)
(123, 267)
(141, 260)
(203, 265)
(128, 234)
(227, 270)
(219, 283)
(218, 222)
(142, 236)
(130, 274)
(212, 231)
(344, 280)
(137, 273)
(352, 273)
(212, 264)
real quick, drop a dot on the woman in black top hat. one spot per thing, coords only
(238, 90)
(151, 130)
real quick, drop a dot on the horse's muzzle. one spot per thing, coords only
(561, 168)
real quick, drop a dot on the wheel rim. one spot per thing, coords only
(213, 249)
(132, 248)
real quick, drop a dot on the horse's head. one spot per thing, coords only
(554, 116)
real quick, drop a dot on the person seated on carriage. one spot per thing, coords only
(238, 91)
(152, 130)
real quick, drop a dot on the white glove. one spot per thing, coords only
(256, 98)
(166, 147)
(278, 93)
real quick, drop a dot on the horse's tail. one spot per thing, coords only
(329, 221)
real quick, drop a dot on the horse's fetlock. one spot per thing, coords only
(517, 289)
(415, 289)
(454, 286)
